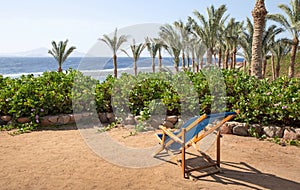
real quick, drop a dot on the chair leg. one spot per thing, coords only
(183, 153)
(218, 149)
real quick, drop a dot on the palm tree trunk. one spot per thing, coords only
(193, 63)
(259, 13)
(226, 59)
(264, 66)
(215, 59)
(293, 57)
(153, 64)
(234, 58)
(183, 60)
(59, 69)
(135, 67)
(201, 63)
(245, 66)
(115, 66)
(176, 63)
(231, 60)
(219, 57)
(277, 67)
(159, 59)
(188, 60)
(209, 56)
(273, 67)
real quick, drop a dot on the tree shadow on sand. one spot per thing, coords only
(242, 174)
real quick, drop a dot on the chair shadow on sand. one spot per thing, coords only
(242, 174)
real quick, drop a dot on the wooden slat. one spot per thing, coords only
(214, 128)
(188, 128)
(171, 135)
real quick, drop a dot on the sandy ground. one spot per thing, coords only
(60, 159)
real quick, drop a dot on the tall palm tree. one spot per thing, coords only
(279, 49)
(153, 46)
(234, 30)
(199, 49)
(172, 42)
(208, 29)
(161, 45)
(267, 42)
(292, 24)
(136, 50)
(184, 31)
(114, 44)
(60, 53)
(245, 41)
(259, 13)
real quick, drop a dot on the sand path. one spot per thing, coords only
(60, 159)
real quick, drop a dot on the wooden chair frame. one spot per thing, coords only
(181, 139)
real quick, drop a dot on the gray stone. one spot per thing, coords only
(23, 120)
(173, 119)
(155, 123)
(130, 120)
(6, 118)
(72, 119)
(60, 120)
(2, 122)
(66, 119)
(291, 134)
(273, 131)
(226, 128)
(102, 117)
(138, 118)
(77, 116)
(86, 114)
(45, 122)
(168, 124)
(53, 119)
(110, 117)
(257, 128)
(240, 130)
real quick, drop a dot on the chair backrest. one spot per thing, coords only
(190, 134)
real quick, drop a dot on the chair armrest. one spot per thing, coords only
(171, 135)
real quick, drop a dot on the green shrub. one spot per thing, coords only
(259, 101)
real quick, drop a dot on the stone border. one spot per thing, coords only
(242, 129)
(232, 127)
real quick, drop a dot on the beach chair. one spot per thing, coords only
(191, 132)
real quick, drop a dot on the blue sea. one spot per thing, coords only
(17, 66)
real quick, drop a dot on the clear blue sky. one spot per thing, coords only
(30, 24)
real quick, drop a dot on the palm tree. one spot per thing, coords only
(153, 46)
(209, 28)
(172, 42)
(199, 49)
(234, 30)
(114, 44)
(60, 53)
(292, 24)
(161, 45)
(136, 51)
(259, 13)
(184, 31)
(279, 49)
(267, 41)
(245, 41)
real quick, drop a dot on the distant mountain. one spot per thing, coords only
(38, 52)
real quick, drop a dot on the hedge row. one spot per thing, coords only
(260, 101)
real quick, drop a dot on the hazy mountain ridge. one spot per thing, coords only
(38, 52)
